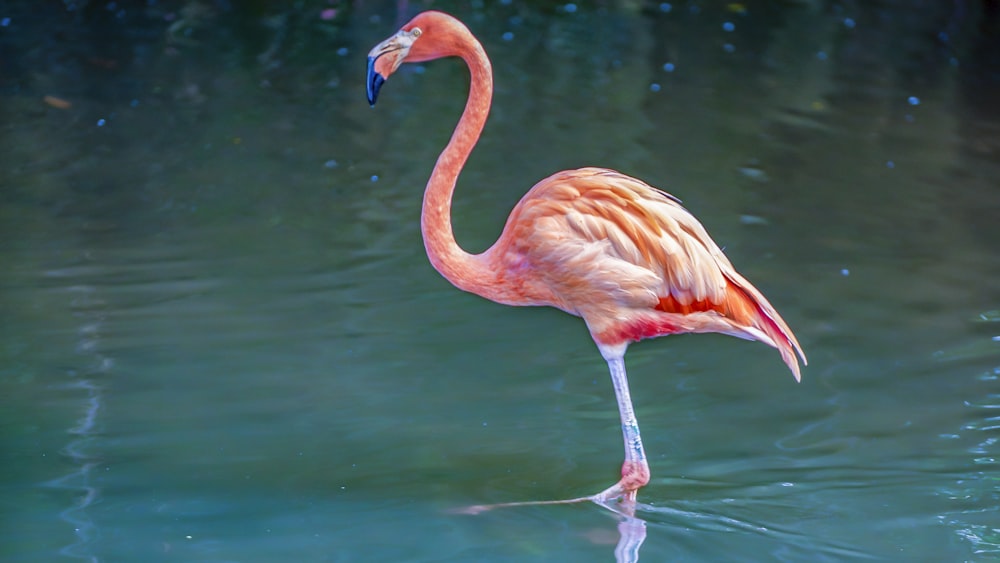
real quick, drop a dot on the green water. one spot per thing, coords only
(222, 341)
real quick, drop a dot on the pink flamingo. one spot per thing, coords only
(595, 243)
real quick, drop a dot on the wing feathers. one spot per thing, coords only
(606, 244)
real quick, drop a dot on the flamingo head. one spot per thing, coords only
(429, 35)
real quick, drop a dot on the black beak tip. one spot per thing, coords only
(374, 82)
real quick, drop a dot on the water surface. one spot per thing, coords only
(222, 340)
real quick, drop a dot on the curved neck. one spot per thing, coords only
(466, 271)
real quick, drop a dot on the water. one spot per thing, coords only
(222, 341)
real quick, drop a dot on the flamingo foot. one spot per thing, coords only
(635, 475)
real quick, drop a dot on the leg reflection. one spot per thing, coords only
(631, 530)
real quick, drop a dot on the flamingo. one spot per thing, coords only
(625, 257)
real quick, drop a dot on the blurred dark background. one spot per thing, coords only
(166, 65)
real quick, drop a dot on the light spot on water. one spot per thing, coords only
(330, 163)
(4, 22)
(374, 177)
(728, 26)
(849, 23)
(821, 55)
(654, 87)
(665, 7)
(343, 51)
(507, 36)
(754, 173)
(669, 67)
(101, 122)
(570, 8)
(845, 272)
(890, 164)
(752, 220)
(728, 47)
(913, 100)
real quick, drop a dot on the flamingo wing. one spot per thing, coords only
(634, 263)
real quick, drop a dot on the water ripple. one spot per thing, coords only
(85, 430)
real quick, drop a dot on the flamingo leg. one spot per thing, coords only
(635, 469)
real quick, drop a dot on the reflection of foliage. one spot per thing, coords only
(192, 16)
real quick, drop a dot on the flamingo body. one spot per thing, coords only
(626, 257)
(629, 260)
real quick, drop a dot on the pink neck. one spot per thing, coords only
(466, 271)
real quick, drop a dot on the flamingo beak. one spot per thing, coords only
(374, 82)
(395, 49)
